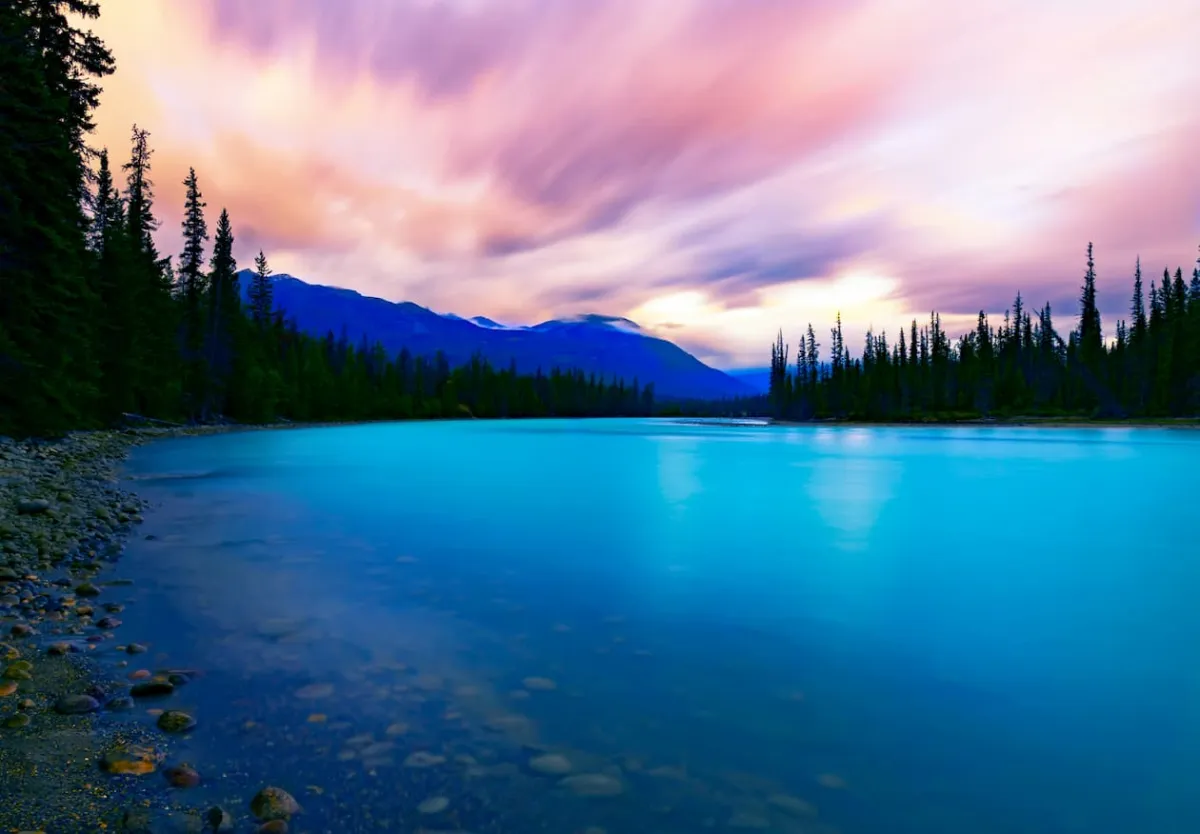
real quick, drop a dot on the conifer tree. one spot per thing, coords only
(260, 293)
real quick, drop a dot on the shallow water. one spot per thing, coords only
(912, 630)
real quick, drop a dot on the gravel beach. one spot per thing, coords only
(66, 756)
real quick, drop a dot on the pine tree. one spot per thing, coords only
(191, 290)
(260, 293)
(1138, 307)
(224, 313)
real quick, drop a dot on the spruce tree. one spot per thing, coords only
(224, 313)
(191, 291)
(260, 293)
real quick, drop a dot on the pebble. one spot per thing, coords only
(433, 805)
(793, 805)
(19, 670)
(125, 760)
(87, 589)
(135, 648)
(273, 803)
(33, 506)
(182, 776)
(422, 759)
(76, 705)
(176, 721)
(152, 689)
(17, 721)
(551, 764)
(593, 784)
(539, 684)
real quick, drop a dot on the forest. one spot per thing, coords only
(1150, 368)
(97, 324)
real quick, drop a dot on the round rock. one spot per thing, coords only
(176, 721)
(273, 803)
(76, 705)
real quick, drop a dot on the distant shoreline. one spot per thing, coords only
(1012, 422)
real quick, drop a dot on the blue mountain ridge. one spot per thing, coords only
(608, 346)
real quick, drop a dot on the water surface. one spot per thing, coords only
(912, 630)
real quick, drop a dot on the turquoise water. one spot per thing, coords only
(912, 630)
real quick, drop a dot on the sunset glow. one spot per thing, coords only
(711, 169)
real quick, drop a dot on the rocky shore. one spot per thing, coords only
(66, 757)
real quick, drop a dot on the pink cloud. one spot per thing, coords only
(522, 158)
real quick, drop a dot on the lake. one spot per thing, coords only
(644, 626)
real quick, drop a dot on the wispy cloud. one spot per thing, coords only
(719, 166)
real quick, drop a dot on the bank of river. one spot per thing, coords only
(69, 759)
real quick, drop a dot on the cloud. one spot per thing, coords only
(727, 167)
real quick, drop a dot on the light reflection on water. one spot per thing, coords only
(913, 631)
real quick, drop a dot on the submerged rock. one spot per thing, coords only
(76, 705)
(273, 803)
(793, 805)
(182, 776)
(176, 721)
(152, 689)
(33, 506)
(593, 784)
(538, 684)
(433, 805)
(124, 760)
(87, 589)
(19, 670)
(423, 759)
(551, 764)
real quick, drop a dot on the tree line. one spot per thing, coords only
(1149, 368)
(97, 324)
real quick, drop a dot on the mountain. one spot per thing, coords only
(608, 346)
(758, 379)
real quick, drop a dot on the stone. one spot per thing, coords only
(182, 776)
(218, 819)
(176, 721)
(315, 691)
(593, 784)
(17, 721)
(539, 684)
(61, 648)
(273, 803)
(19, 670)
(33, 506)
(551, 764)
(76, 705)
(130, 760)
(21, 630)
(793, 805)
(122, 703)
(433, 805)
(109, 623)
(7, 688)
(135, 648)
(87, 589)
(152, 689)
(423, 759)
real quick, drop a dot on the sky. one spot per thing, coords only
(712, 169)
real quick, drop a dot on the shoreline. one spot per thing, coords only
(1188, 424)
(65, 517)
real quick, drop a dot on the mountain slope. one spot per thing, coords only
(604, 345)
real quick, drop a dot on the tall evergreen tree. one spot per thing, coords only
(191, 289)
(261, 292)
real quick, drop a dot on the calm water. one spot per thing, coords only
(913, 630)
